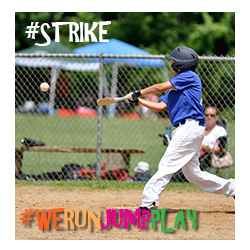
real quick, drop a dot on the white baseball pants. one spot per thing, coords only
(183, 152)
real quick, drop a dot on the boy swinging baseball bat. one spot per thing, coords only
(183, 101)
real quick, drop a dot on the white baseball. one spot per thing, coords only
(44, 86)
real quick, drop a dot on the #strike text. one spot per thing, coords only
(86, 33)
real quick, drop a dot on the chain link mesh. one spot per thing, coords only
(90, 140)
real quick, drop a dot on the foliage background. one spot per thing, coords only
(209, 33)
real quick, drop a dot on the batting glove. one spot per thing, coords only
(129, 101)
(132, 97)
(129, 98)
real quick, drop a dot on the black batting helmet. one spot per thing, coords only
(185, 59)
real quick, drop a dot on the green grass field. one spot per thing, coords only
(105, 184)
(82, 132)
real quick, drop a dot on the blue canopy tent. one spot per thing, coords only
(117, 47)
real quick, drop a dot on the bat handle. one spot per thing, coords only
(118, 99)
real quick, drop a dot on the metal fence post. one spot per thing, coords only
(54, 76)
(99, 125)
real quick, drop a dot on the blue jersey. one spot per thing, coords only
(185, 100)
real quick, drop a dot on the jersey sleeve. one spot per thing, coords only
(164, 98)
(183, 80)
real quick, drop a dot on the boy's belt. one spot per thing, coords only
(199, 123)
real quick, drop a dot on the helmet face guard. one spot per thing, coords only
(185, 59)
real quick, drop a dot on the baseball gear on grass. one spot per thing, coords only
(166, 139)
(30, 142)
(185, 59)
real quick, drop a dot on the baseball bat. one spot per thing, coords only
(110, 100)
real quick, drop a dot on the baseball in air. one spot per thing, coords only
(44, 86)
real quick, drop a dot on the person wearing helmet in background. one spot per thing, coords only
(184, 103)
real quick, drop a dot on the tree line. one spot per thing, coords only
(209, 33)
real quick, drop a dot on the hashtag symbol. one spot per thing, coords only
(28, 218)
(32, 30)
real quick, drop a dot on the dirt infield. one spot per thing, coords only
(215, 219)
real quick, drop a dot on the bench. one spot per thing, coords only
(115, 156)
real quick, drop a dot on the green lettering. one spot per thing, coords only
(180, 219)
(193, 219)
(153, 219)
(169, 230)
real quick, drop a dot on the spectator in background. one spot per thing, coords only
(87, 100)
(211, 140)
(62, 91)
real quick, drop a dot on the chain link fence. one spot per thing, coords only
(76, 139)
